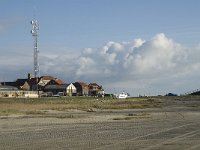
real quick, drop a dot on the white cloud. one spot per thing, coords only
(128, 64)
(88, 51)
(87, 67)
(159, 55)
(140, 66)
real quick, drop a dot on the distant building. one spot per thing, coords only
(71, 90)
(41, 82)
(8, 84)
(33, 83)
(66, 89)
(48, 80)
(44, 84)
(11, 91)
(21, 84)
(95, 89)
(55, 89)
(81, 88)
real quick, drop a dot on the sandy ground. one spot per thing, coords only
(176, 125)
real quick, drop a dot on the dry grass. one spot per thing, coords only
(38, 106)
(134, 116)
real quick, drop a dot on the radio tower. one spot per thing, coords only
(34, 33)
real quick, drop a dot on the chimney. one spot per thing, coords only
(29, 76)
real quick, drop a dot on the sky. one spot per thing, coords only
(146, 47)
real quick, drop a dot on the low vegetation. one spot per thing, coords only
(40, 106)
(134, 116)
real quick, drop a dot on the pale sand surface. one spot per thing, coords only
(176, 125)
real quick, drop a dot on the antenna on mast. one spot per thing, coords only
(34, 32)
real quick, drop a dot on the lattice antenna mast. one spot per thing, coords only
(34, 33)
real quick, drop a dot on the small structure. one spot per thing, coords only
(10, 91)
(55, 89)
(95, 89)
(71, 90)
(81, 88)
(33, 82)
(23, 84)
(42, 82)
(31, 94)
(66, 89)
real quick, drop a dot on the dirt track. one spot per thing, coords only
(173, 126)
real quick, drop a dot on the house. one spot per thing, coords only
(13, 84)
(55, 89)
(40, 83)
(95, 89)
(59, 82)
(81, 88)
(66, 89)
(21, 84)
(7, 91)
(44, 80)
(33, 82)
(71, 90)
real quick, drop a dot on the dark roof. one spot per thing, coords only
(93, 84)
(53, 87)
(17, 83)
(21, 82)
(8, 83)
(33, 81)
(82, 84)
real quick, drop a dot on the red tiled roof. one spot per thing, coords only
(83, 84)
(93, 84)
(59, 81)
(47, 78)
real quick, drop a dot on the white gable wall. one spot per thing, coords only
(44, 82)
(71, 89)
